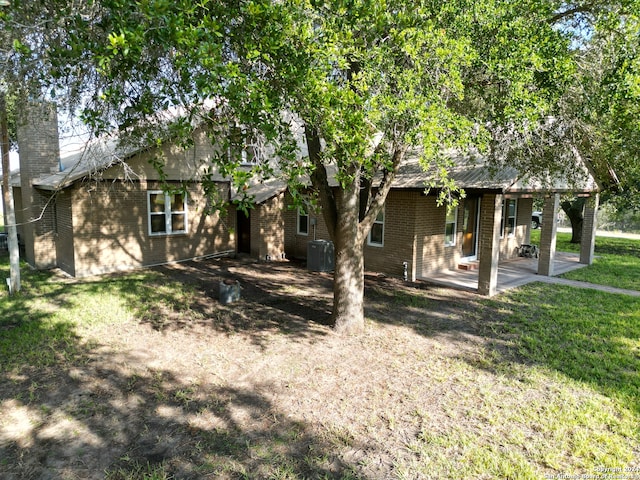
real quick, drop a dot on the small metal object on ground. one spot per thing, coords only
(229, 291)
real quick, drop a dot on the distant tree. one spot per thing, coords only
(604, 108)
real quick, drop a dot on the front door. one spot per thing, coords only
(470, 228)
(244, 232)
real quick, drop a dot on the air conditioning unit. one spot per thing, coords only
(320, 256)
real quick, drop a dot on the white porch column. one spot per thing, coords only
(588, 239)
(489, 249)
(548, 235)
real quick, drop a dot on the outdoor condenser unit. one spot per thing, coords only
(320, 256)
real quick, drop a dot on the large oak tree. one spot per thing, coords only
(365, 81)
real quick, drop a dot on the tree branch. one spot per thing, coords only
(570, 12)
(320, 181)
(377, 202)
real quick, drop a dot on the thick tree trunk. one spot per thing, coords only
(348, 289)
(348, 280)
(7, 199)
(349, 214)
(575, 211)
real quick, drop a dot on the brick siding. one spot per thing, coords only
(39, 155)
(110, 228)
(414, 232)
(268, 229)
(64, 232)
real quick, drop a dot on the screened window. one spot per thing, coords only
(508, 224)
(376, 234)
(303, 222)
(450, 227)
(167, 213)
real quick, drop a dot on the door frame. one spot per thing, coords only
(476, 229)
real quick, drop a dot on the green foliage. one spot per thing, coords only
(617, 261)
(367, 76)
(530, 84)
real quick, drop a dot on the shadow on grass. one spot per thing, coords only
(617, 246)
(86, 410)
(73, 409)
(274, 296)
(589, 336)
(101, 418)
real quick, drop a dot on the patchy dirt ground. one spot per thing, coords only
(261, 388)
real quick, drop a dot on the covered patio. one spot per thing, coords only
(493, 275)
(511, 273)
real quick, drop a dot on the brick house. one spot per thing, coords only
(413, 232)
(91, 212)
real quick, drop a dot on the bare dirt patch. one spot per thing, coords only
(260, 388)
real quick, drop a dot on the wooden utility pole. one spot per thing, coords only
(7, 199)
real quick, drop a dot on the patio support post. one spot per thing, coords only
(489, 251)
(548, 235)
(588, 239)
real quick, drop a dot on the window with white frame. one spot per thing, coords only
(303, 222)
(241, 146)
(450, 227)
(508, 223)
(376, 234)
(167, 213)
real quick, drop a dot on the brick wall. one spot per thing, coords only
(178, 163)
(509, 244)
(399, 235)
(491, 210)
(37, 134)
(435, 254)
(413, 232)
(64, 231)
(110, 228)
(268, 229)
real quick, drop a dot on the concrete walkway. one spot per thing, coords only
(520, 271)
(593, 286)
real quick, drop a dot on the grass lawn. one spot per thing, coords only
(146, 375)
(617, 261)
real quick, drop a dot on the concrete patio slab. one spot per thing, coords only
(511, 273)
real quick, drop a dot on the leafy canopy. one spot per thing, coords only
(369, 77)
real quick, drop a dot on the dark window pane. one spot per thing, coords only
(177, 222)
(158, 224)
(449, 236)
(304, 224)
(156, 202)
(376, 233)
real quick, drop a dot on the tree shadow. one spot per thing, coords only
(75, 409)
(93, 411)
(587, 335)
(617, 246)
(275, 297)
